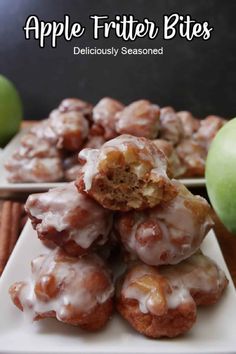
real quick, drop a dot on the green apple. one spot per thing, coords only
(11, 111)
(221, 174)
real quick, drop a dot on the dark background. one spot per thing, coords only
(199, 76)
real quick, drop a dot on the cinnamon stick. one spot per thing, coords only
(5, 229)
(16, 210)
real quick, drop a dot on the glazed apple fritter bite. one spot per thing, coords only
(76, 291)
(190, 124)
(105, 116)
(75, 104)
(208, 129)
(71, 128)
(71, 164)
(167, 233)
(171, 128)
(36, 159)
(69, 219)
(175, 167)
(125, 173)
(162, 301)
(35, 169)
(192, 156)
(140, 118)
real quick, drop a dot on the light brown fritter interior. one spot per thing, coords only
(121, 188)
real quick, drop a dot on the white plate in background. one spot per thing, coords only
(214, 331)
(19, 187)
(38, 187)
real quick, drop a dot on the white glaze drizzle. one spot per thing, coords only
(198, 273)
(71, 279)
(175, 220)
(57, 207)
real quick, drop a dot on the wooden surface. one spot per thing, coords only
(226, 240)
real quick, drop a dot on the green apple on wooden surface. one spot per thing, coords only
(221, 174)
(11, 110)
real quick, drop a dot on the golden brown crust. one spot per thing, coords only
(173, 323)
(162, 301)
(205, 299)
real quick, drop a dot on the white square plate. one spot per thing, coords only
(214, 331)
(39, 187)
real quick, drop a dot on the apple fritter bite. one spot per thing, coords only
(104, 115)
(75, 104)
(175, 167)
(36, 159)
(192, 155)
(36, 169)
(76, 291)
(43, 131)
(171, 128)
(71, 167)
(162, 301)
(189, 123)
(71, 128)
(208, 129)
(70, 219)
(140, 118)
(125, 173)
(32, 146)
(169, 232)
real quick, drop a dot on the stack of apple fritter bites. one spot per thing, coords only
(123, 205)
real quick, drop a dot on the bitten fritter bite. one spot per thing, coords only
(189, 123)
(126, 173)
(169, 232)
(140, 118)
(192, 155)
(70, 219)
(76, 291)
(175, 167)
(171, 128)
(161, 302)
(208, 129)
(104, 115)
